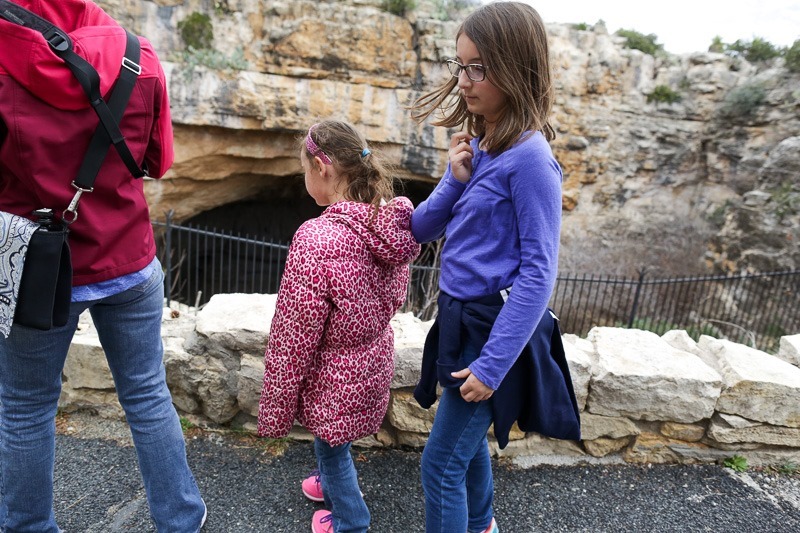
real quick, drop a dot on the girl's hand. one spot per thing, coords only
(473, 390)
(461, 156)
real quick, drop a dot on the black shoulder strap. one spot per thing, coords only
(90, 81)
(109, 114)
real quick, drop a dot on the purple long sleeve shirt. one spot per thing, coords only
(502, 231)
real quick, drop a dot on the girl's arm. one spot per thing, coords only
(535, 182)
(301, 311)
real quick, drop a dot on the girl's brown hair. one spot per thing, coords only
(365, 173)
(512, 43)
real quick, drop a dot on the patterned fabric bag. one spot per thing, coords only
(36, 268)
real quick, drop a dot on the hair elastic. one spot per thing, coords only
(365, 152)
(315, 150)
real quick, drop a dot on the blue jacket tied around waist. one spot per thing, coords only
(537, 392)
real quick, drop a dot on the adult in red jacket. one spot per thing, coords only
(46, 123)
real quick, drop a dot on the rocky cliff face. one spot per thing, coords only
(707, 183)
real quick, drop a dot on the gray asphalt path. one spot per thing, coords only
(250, 488)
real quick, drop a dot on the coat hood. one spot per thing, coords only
(387, 234)
(27, 58)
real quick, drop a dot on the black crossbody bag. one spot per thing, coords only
(45, 287)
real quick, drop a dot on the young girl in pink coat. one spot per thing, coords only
(330, 356)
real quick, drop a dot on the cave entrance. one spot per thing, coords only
(241, 247)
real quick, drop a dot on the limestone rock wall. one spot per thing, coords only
(643, 398)
(693, 186)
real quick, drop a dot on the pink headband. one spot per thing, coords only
(315, 150)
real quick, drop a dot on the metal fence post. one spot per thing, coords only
(636, 297)
(168, 256)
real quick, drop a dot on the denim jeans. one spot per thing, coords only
(456, 465)
(31, 362)
(337, 474)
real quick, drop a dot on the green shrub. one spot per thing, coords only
(761, 50)
(186, 425)
(789, 469)
(775, 330)
(736, 48)
(792, 57)
(695, 331)
(717, 45)
(743, 101)
(639, 41)
(754, 51)
(399, 7)
(213, 59)
(581, 26)
(663, 94)
(737, 463)
(717, 217)
(196, 31)
(659, 327)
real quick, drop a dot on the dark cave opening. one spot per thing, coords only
(242, 246)
(275, 214)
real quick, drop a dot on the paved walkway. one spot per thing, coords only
(250, 487)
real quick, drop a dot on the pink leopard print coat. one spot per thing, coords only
(330, 355)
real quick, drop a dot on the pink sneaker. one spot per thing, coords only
(312, 488)
(322, 522)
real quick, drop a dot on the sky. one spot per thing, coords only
(684, 26)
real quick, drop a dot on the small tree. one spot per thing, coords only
(756, 50)
(640, 41)
(792, 57)
(741, 103)
(399, 7)
(717, 46)
(196, 31)
(761, 50)
(663, 94)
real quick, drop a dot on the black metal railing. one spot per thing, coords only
(200, 263)
(752, 309)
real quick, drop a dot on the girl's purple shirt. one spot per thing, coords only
(502, 230)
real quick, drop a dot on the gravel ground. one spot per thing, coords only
(250, 487)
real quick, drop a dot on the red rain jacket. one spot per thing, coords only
(46, 123)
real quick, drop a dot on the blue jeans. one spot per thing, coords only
(456, 464)
(31, 362)
(337, 474)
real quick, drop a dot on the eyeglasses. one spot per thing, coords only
(474, 72)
